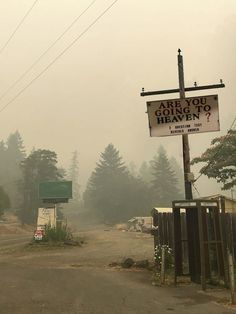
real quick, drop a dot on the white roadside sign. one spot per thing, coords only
(183, 116)
(46, 216)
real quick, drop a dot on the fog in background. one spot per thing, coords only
(90, 96)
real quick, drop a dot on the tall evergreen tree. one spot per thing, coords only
(11, 156)
(179, 172)
(133, 169)
(145, 172)
(3, 159)
(73, 175)
(164, 183)
(105, 184)
(4, 201)
(39, 166)
(112, 192)
(15, 148)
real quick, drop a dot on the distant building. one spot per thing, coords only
(163, 209)
(225, 202)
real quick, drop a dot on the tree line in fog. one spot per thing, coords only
(20, 175)
(115, 191)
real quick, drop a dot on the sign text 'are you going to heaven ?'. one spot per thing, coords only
(183, 116)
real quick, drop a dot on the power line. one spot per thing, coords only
(219, 149)
(196, 190)
(18, 26)
(60, 55)
(46, 51)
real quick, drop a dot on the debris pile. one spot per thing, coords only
(140, 224)
(131, 263)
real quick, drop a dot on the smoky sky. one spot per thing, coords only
(90, 96)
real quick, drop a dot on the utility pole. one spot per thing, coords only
(191, 213)
(181, 90)
(185, 142)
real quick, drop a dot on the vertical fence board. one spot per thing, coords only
(219, 233)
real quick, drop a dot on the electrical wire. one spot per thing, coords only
(17, 27)
(195, 188)
(45, 52)
(59, 55)
(219, 149)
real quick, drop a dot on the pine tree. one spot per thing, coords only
(145, 173)
(113, 193)
(3, 159)
(179, 172)
(39, 166)
(4, 201)
(104, 190)
(15, 148)
(12, 154)
(73, 175)
(133, 169)
(164, 182)
(110, 161)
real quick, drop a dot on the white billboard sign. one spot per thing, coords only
(183, 116)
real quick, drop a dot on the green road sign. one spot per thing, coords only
(60, 190)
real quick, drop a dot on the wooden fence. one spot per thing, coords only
(230, 232)
(164, 235)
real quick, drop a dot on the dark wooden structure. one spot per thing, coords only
(199, 232)
(205, 241)
(163, 228)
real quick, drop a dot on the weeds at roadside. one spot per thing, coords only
(55, 237)
(58, 234)
(168, 265)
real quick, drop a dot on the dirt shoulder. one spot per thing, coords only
(73, 280)
(10, 225)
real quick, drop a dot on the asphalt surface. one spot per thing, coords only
(79, 280)
(12, 239)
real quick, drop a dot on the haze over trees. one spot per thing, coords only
(4, 201)
(12, 152)
(20, 175)
(220, 160)
(179, 175)
(114, 193)
(145, 172)
(164, 184)
(39, 166)
(73, 175)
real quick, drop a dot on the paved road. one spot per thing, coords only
(11, 241)
(14, 238)
(8, 242)
(78, 280)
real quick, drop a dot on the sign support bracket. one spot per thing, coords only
(176, 90)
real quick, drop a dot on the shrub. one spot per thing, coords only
(60, 233)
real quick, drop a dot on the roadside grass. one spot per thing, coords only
(52, 245)
(58, 234)
(55, 237)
